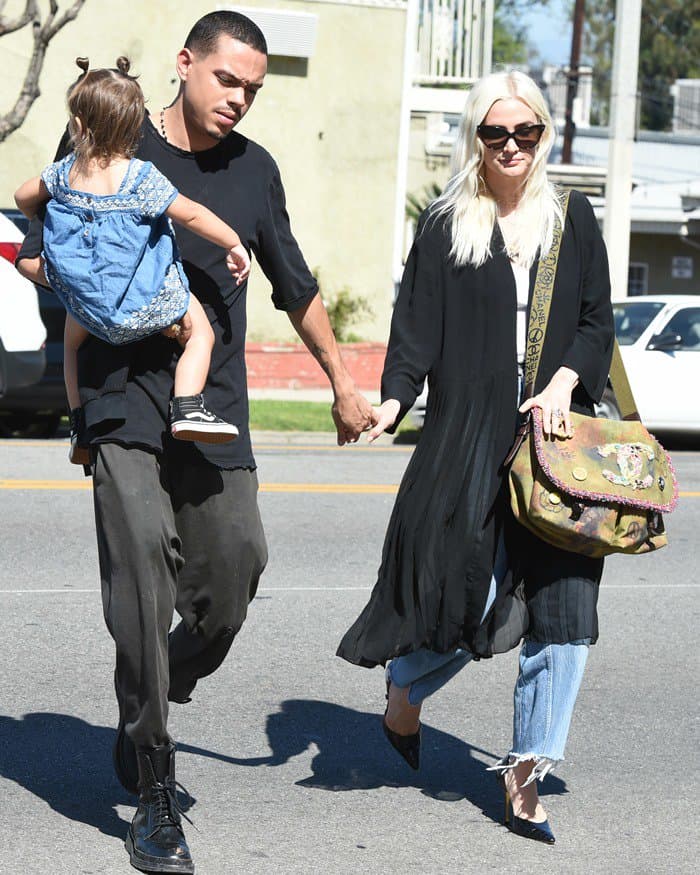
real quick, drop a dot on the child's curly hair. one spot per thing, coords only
(106, 108)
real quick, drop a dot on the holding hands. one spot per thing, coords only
(352, 414)
(555, 401)
(385, 417)
(238, 263)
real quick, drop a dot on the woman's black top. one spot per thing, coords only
(457, 326)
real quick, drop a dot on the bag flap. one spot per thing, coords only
(608, 461)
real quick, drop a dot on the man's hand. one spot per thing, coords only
(181, 331)
(352, 414)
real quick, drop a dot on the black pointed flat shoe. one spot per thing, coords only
(407, 745)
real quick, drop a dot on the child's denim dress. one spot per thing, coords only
(112, 259)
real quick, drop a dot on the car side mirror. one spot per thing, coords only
(667, 341)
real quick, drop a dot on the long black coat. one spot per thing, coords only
(457, 325)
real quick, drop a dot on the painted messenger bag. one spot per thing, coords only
(602, 491)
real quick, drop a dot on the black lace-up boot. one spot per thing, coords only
(156, 841)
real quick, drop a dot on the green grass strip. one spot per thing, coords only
(269, 415)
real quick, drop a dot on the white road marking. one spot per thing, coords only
(268, 589)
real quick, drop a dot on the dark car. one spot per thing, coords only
(36, 410)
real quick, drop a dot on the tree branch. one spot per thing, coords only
(69, 15)
(42, 35)
(9, 25)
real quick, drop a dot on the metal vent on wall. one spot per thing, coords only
(686, 105)
(288, 34)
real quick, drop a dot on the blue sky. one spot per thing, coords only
(550, 31)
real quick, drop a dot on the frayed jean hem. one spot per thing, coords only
(543, 765)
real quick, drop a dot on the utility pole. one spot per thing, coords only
(409, 63)
(572, 81)
(623, 105)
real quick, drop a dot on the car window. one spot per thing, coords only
(632, 318)
(686, 324)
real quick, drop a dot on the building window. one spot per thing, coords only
(638, 279)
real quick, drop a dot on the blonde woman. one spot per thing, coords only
(459, 577)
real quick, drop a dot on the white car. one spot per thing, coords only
(22, 333)
(659, 337)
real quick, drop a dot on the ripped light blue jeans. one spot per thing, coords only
(545, 691)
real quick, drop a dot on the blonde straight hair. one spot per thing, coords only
(467, 200)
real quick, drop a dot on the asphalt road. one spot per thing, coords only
(282, 747)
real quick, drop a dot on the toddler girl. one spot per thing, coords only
(110, 252)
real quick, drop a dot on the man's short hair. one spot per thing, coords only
(204, 36)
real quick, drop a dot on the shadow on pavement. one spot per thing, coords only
(67, 763)
(353, 754)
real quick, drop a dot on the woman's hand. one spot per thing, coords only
(554, 401)
(238, 262)
(386, 417)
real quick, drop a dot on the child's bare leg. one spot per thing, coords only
(73, 336)
(193, 367)
(189, 418)
(33, 269)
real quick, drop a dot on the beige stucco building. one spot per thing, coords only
(330, 119)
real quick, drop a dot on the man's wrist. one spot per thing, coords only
(339, 377)
(343, 387)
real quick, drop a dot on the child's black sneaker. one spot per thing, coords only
(79, 453)
(191, 421)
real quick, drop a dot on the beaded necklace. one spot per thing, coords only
(162, 124)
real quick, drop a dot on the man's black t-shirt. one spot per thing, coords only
(125, 390)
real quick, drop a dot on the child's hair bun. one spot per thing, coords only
(123, 65)
(83, 63)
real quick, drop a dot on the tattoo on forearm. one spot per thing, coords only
(320, 355)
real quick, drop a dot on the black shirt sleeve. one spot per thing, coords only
(33, 241)
(278, 252)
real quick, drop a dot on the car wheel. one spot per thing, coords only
(16, 424)
(608, 409)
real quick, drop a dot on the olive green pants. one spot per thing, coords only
(188, 540)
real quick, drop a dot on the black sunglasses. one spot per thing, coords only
(496, 136)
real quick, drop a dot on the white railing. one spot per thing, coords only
(455, 40)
